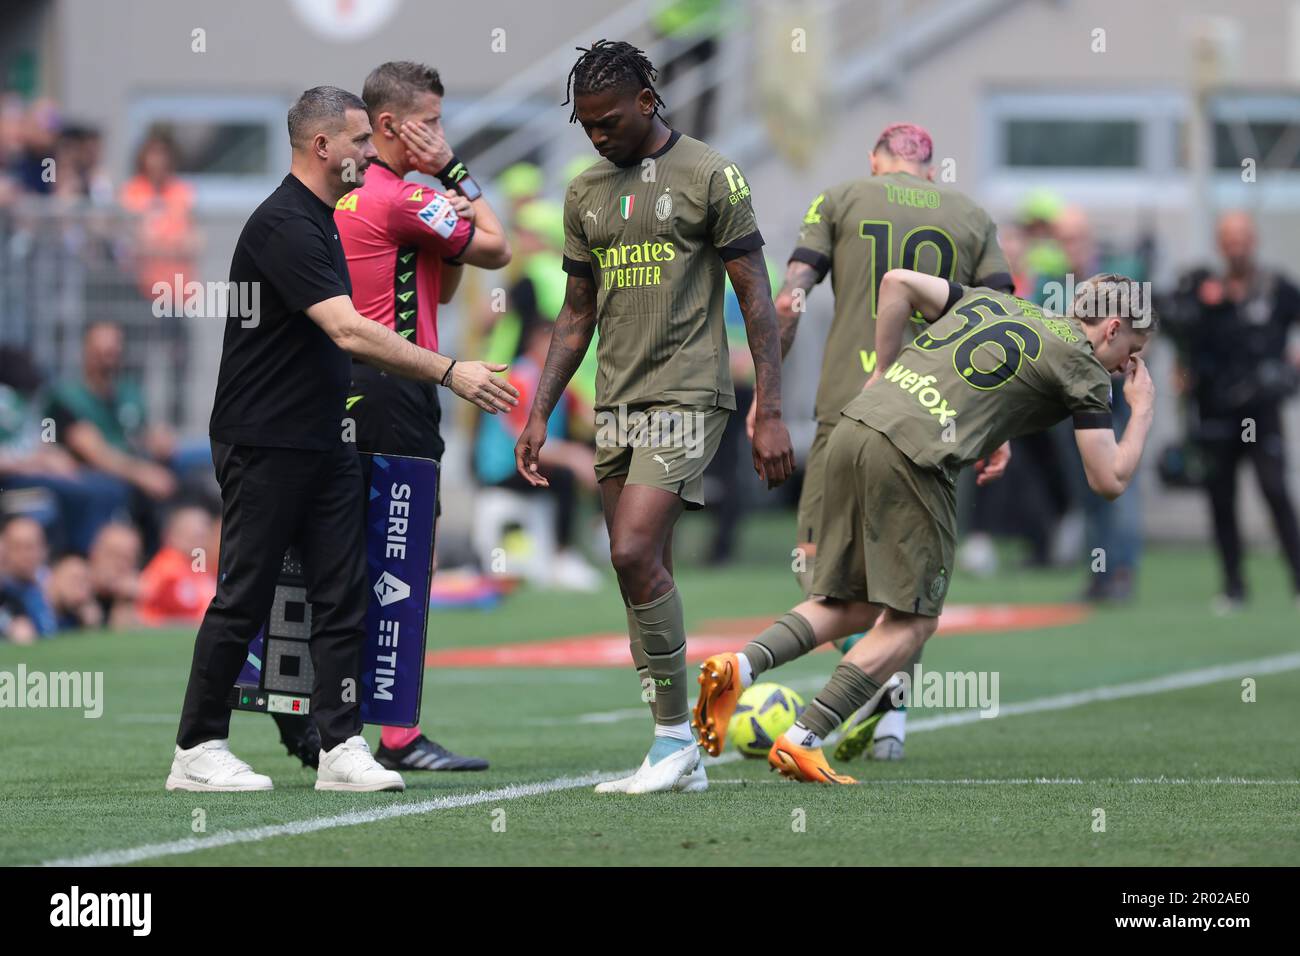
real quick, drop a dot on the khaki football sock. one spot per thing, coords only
(847, 690)
(639, 661)
(663, 641)
(790, 636)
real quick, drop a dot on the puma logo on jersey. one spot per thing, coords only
(667, 464)
(595, 216)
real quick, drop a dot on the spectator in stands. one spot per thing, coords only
(68, 591)
(565, 464)
(179, 581)
(101, 419)
(166, 241)
(115, 574)
(85, 500)
(23, 576)
(37, 130)
(1232, 328)
(81, 174)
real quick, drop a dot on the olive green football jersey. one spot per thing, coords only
(861, 229)
(653, 236)
(991, 368)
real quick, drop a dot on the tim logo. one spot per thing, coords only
(390, 590)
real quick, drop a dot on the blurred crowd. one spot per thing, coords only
(46, 154)
(88, 480)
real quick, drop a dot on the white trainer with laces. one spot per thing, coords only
(210, 767)
(667, 773)
(350, 766)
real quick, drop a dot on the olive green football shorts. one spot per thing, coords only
(663, 445)
(888, 528)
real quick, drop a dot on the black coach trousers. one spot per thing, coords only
(272, 498)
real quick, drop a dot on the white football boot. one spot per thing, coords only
(349, 766)
(210, 767)
(697, 781)
(622, 783)
(667, 773)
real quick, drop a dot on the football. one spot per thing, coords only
(765, 712)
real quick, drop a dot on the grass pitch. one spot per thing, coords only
(1095, 718)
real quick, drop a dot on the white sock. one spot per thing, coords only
(746, 671)
(680, 731)
(893, 724)
(801, 736)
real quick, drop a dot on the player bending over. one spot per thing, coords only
(856, 231)
(989, 368)
(648, 232)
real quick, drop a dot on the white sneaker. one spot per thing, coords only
(210, 767)
(349, 766)
(667, 773)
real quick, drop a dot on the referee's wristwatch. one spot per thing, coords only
(455, 176)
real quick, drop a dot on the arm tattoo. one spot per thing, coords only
(801, 276)
(569, 340)
(754, 293)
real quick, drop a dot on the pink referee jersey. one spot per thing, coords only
(396, 235)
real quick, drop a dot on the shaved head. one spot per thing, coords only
(1235, 233)
(322, 109)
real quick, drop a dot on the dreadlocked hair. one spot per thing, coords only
(610, 65)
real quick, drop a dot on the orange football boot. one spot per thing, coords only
(807, 765)
(719, 692)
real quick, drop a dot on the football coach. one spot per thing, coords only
(287, 474)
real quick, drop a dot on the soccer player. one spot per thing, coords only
(649, 231)
(857, 231)
(989, 368)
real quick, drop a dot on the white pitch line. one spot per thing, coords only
(1170, 682)
(919, 724)
(1142, 688)
(154, 851)
(1045, 782)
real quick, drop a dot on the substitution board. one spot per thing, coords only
(401, 507)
